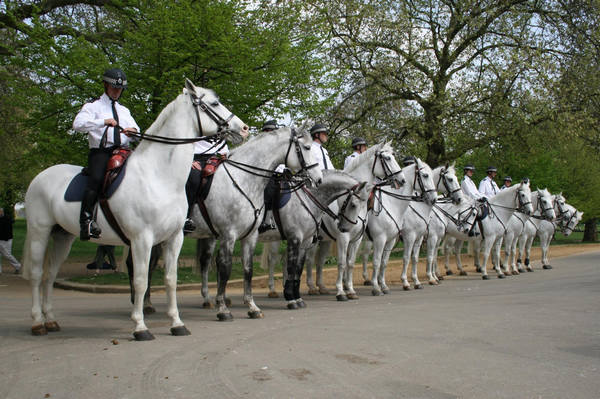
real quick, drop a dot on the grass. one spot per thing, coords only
(84, 251)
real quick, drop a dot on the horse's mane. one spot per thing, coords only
(361, 157)
(507, 192)
(163, 116)
(258, 137)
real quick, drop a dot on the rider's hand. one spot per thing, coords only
(482, 199)
(129, 131)
(110, 122)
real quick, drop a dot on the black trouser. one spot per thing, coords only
(194, 181)
(97, 160)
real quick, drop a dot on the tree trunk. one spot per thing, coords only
(590, 233)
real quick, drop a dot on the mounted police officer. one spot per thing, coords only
(467, 185)
(320, 135)
(507, 183)
(488, 186)
(203, 150)
(359, 145)
(109, 126)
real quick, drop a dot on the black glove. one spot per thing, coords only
(482, 199)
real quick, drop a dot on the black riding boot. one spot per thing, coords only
(89, 228)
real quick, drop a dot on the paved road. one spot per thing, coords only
(532, 336)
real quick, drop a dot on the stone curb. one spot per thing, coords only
(124, 289)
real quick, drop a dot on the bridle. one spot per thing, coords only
(419, 179)
(540, 206)
(350, 192)
(443, 179)
(389, 175)
(200, 105)
(294, 141)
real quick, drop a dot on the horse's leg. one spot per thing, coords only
(299, 267)
(458, 244)
(432, 244)
(379, 245)
(171, 249)
(59, 252)
(342, 252)
(476, 254)
(322, 251)
(352, 250)
(223, 273)
(528, 246)
(36, 243)
(293, 254)
(273, 259)
(367, 247)
(447, 245)
(140, 251)
(507, 243)
(205, 248)
(248, 245)
(519, 255)
(496, 248)
(545, 239)
(409, 241)
(387, 251)
(415, 262)
(310, 260)
(513, 255)
(488, 244)
(154, 257)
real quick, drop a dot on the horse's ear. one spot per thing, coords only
(361, 186)
(190, 86)
(446, 166)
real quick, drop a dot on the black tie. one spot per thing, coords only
(116, 134)
(324, 159)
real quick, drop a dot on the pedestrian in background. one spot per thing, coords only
(6, 237)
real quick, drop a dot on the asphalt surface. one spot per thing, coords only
(536, 335)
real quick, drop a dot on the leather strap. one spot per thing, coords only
(110, 218)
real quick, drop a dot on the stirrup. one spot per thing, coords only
(89, 229)
(264, 226)
(189, 226)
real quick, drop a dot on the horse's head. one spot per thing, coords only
(447, 183)
(544, 204)
(213, 117)
(523, 198)
(571, 218)
(560, 208)
(351, 205)
(420, 176)
(386, 168)
(299, 156)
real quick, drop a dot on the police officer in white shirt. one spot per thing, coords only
(102, 120)
(488, 186)
(467, 185)
(507, 183)
(359, 145)
(320, 136)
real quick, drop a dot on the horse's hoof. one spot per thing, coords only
(301, 304)
(521, 270)
(376, 293)
(418, 286)
(149, 310)
(502, 276)
(180, 331)
(341, 298)
(292, 306)
(224, 316)
(463, 273)
(449, 272)
(38, 330)
(207, 305)
(352, 295)
(313, 291)
(144, 335)
(406, 287)
(256, 314)
(273, 294)
(385, 290)
(547, 267)
(227, 302)
(367, 282)
(530, 270)
(433, 282)
(323, 291)
(485, 277)
(439, 276)
(478, 269)
(52, 326)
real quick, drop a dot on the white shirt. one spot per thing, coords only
(349, 158)
(321, 156)
(488, 187)
(504, 187)
(208, 147)
(469, 188)
(91, 120)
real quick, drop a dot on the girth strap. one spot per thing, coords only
(110, 218)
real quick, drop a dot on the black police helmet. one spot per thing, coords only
(269, 125)
(408, 160)
(115, 77)
(508, 178)
(318, 128)
(469, 167)
(491, 169)
(358, 141)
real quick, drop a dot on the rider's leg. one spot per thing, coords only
(97, 160)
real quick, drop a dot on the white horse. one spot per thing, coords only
(377, 162)
(502, 206)
(386, 221)
(542, 209)
(235, 204)
(300, 218)
(149, 206)
(568, 217)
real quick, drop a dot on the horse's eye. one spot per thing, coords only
(307, 147)
(425, 175)
(215, 104)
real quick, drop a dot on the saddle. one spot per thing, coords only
(114, 167)
(208, 172)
